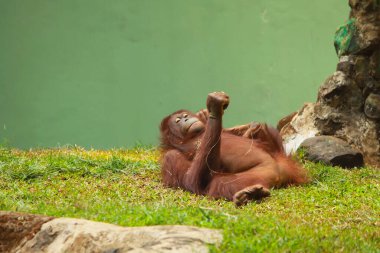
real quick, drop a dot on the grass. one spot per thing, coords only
(338, 211)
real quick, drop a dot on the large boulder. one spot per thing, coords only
(348, 103)
(25, 233)
(353, 126)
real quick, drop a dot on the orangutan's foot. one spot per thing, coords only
(250, 193)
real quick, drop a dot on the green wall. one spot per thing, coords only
(102, 73)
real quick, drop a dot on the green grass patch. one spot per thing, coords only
(338, 211)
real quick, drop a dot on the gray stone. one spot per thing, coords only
(78, 235)
(332, 151)
(372, 106)
(328, 120)
(340, 91)
(334, 88)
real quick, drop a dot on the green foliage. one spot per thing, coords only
(345, 40)
(337, 211)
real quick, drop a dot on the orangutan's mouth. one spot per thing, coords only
(196, 127)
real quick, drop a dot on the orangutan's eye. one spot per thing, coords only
(177, 120)
(185, 115)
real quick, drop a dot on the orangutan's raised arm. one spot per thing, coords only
(207, 158)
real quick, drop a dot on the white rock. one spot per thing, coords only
(77, 235)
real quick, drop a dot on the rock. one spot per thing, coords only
(346, 65)
(78, 235)
(372, 106)
(338, 98)
(300, 127)
(365, 5)
(332, 151)
(371, 87)
(355, 128)
(361, 70)
(360, 35)
(365, 14)
(345, 40)
(339, 91)
(348, 104)
(374, 64)
(285, 120)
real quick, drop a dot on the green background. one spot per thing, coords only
(102, 73)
